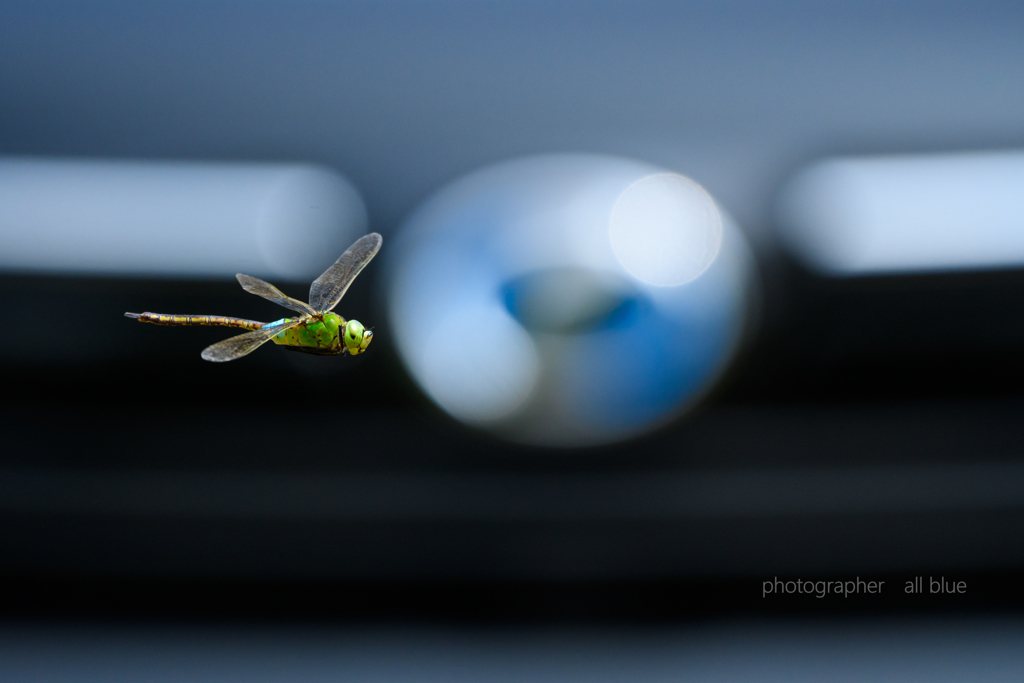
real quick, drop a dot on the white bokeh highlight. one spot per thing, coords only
(457, 364)
(665, 229)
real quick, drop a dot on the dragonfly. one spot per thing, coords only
(317, 329)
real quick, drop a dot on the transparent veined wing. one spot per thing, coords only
(256, 286)
(243, 344)
(327, 290)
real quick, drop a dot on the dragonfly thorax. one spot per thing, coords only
(318, 335)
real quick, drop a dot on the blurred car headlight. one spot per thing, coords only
(568, 300)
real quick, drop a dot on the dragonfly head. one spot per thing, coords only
(356, 337)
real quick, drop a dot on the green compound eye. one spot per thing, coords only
(353, 336)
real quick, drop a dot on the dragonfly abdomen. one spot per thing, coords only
(218, 320)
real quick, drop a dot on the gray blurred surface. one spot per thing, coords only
(404, 96)
(875, 651)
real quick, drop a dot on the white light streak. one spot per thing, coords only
(852, 216)
(90, 217)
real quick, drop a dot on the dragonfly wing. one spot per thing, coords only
(327, 290)
(256, 286)
(244, 344)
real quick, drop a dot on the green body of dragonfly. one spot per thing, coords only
(316, 330)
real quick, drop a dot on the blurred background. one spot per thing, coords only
(560, 418)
